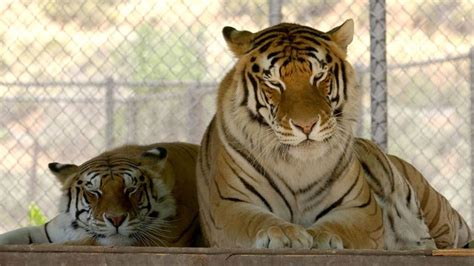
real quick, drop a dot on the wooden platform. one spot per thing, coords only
(83, 255)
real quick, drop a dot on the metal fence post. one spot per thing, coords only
(194, 113)
(359, 70)
(132, 113)
(109, 112)
(471, 87)
(378, 73)
(274, 13)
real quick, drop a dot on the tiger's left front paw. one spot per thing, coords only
(325, 240)
(283, 236)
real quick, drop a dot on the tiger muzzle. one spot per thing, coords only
(304, 110)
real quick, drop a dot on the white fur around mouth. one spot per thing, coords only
(319, 134)
(117, 240)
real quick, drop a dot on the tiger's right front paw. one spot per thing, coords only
(284, 236)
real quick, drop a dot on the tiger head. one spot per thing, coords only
(295, 81)
(121, 197)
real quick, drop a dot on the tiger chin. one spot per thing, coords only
(129, 196)
(279, 166)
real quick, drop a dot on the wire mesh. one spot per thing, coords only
(79, 77)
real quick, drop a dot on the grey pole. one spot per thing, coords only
(275, 15)
(378, 73)
(132, 116)
(109, 112)
(471, 82)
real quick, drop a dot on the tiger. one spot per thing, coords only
(279, 165)
(133, 195)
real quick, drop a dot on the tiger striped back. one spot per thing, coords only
(401, 188)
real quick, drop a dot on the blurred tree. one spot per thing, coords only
(170, 55)
(155, 54)
(87, 14)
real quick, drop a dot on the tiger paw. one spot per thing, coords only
(284, 236)
(325, 240)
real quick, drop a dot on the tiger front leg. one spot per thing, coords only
(243, 225)
(349, 228)
(25, 235)
(337, 235)
(51, 232)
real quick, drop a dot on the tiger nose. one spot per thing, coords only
(306, 126)
(116, 220)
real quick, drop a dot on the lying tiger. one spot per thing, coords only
(132, 195)
(280, 167)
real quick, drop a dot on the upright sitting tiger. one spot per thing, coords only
(279, 165)
(132, 195)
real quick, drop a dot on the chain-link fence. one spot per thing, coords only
(78, 77)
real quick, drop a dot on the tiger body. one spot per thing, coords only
(264, 179)
(130, 196)
(278, 165)
(401, 189)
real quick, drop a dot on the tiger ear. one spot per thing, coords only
(158, 155)
(343, 34)
(156, 159)
(239, 42)
(62, 171)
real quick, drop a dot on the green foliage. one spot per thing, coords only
(167, 55)
(35, 215)
(157, 54)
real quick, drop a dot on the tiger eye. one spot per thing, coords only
(328, 58)
(129, 190)
(255, 68)
(91, 196)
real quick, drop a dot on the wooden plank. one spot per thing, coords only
(453, 252)
(123, 256)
